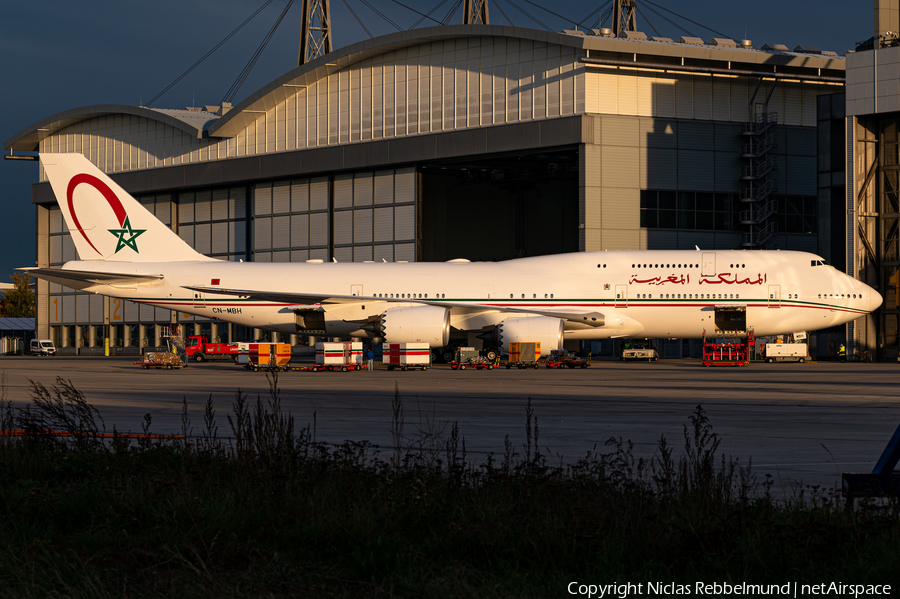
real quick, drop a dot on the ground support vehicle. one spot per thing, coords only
(728, 351)
(199, 349)
(646, 353)
(560, 358)
(406, 356)
(176, 357)
(42, 347)
(327, 367)
(524, 354)
(478, 363)
(269, 356)
(786, 352)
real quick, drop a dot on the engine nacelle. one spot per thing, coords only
(549, 331)
(418, 324)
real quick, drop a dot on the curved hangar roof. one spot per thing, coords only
(204, 123)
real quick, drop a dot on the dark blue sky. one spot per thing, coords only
(58, 55)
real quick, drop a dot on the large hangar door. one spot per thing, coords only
(501, 208)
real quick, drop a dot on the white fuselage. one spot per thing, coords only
(642, 293)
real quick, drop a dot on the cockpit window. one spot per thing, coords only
(819, 263)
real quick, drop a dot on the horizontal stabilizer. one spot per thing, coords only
(90, 277)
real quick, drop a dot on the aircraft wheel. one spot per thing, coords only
(448, 356)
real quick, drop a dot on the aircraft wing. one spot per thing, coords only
(593, 319)
(64, 277)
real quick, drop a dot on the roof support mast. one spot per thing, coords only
(475, 12)
(315, 31)
(623, 17)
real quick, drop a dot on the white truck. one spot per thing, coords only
(786, 352)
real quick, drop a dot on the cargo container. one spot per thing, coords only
(524, 354)
(406, 356)
(347, 355)
(269, 356)
(787, 352)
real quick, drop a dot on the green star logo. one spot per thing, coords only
(131, 234)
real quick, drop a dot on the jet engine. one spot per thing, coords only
(549, 331)
(418, 324)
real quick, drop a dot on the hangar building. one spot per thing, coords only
(465, 141)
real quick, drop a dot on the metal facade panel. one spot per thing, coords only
(405, 223)
(658, 133)
(405, 185)
(220, 238)
(283, 256)
(343, 254)
(262, 199)
(801, 243)
(281, 232)
(56, 249)
(721, 99)
(607, 91)
(703, 97)
(67, 303)
(299, 230)
(82, 307)
(688, 240)
(808, 105)
(237, 235)
(132, 314)
(186, 232)
(696, 135)
(343, 191)
(384, 224)
(621, 166)
(659, 168)
(281, 197)
(362, 226)
(185, 208)
(684, 97)
(237, 203)
(802, 141)
(728, 138)
(148, 314)
(362, 189)
(96, 303)
(621, 131)
(728, 171)
(384, 187)
(362, 253)
(405, 252)
(318, 229)
(343, 227)
(621, 209)
(318, 193)
(262, 234)
(660, 239)
(220, 204)
(664, 96)
(801, 175)
(203, 207)
(628, 93)
(696, 171)
(203, 238)
(383, 253)
(793, 109)
(56, 220)
(300, 195)
(645, 93)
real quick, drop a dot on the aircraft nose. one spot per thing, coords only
(875, 300)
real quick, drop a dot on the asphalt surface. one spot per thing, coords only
(801, 423)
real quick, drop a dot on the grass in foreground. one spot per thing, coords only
(271, 511)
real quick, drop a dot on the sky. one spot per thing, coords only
(58, 55)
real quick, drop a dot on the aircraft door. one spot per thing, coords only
(199, 300)
(621, 296)
(774, 296)
(356, 290)
(487, 292)
(709, 264)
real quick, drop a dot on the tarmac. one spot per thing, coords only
(804, 424)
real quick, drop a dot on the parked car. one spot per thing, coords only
(42, 347)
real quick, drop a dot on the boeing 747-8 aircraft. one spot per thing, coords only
(125, 252)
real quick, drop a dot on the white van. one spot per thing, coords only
(42, 347)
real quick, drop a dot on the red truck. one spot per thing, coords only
(199, 349)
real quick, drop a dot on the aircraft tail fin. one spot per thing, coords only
(105, 221)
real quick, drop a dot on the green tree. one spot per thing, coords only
(19, 302)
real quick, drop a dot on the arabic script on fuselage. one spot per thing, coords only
(725, 278)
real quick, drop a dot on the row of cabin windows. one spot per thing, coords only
(687, 296)
(839, 296)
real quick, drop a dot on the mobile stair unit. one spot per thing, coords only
(731, 343)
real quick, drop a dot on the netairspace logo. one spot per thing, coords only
(724, 589)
